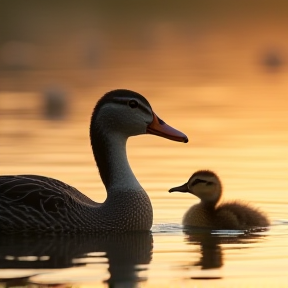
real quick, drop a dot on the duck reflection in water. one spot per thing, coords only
(124, 252)
(211, 248)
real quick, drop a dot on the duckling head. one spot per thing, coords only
(204, 184)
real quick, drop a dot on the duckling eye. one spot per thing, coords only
(209, 183)
(197, 181)
(133, 104)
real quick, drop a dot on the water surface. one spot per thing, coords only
(243, 139)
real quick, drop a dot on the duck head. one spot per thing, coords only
(204, 184)
(128, 113)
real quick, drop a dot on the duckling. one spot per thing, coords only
(34, 203)
(206, 185)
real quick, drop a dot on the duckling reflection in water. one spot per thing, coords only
(208, 213)
(213, 247)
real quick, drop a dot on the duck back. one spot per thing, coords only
(32, 202)
(238, 215)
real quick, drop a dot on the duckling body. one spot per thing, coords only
(209, 214)
(32, 203)
(228, 216)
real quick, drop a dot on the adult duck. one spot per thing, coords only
(32, 203)
(206, 185)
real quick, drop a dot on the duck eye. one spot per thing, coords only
(133, 104)
(197, 181)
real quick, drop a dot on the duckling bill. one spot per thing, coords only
(207, 186)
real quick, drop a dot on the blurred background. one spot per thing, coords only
(177, 43)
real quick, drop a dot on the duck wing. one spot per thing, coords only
(33, 189)
(27, 199)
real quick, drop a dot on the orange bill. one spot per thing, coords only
(160, 128)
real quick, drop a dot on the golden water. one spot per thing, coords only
(239, 131)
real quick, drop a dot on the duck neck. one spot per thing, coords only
(209, 205)
(210, 202)
(109, 151)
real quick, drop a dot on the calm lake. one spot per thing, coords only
(238, 132)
